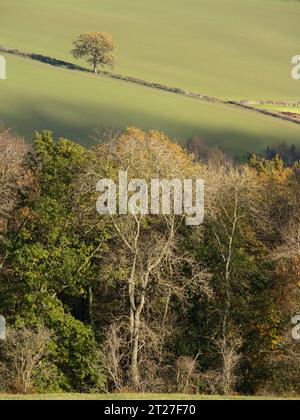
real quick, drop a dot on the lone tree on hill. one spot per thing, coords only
(97, 48)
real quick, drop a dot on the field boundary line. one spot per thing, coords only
(248, 105)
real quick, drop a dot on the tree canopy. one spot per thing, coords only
(146, 303)
(97, 48)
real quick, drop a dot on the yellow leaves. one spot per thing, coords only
(152, 155)
(270, 169)
(96, 47)
(25, 212)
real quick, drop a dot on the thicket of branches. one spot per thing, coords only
(146, 303)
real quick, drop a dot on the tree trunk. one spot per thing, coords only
(135, 373)
(90, 297)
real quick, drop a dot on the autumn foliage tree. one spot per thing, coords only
(139, 301)
(12, 154)
(97, 48)
(144, 249)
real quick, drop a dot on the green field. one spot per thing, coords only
(226, 48)
(37, 96)
(112, 397)
(292, 109)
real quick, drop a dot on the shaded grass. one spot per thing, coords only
(230, 49)
(74, 104)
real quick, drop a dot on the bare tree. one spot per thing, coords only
(225, 379)
(230, 225)
(233, 200)
(21, 356)
(143, 268)
(144, 248)
(187, 374)
(229, 349)
(113, 355)
(290, 247)
(12, 153)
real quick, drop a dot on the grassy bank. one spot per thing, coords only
(115, 397)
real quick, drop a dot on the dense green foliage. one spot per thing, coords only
(46, 254)
(216, 299)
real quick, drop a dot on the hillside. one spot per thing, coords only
(75, 104)
(230, 49)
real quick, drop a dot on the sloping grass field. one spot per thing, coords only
(37, 96)
(231, 49)
(226, 48)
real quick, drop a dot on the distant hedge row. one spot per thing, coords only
(249, 105)
(273, 103)
(264, 111)
(71, 66)
(44, 59)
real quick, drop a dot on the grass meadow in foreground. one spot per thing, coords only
(116, 397)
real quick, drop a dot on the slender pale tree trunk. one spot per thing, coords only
(137, 296)
(135, 373)
(95, 66)
(135, 322)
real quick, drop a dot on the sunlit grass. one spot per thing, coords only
(233, 49)
(292, 109)
(36, 96)
(112, 397)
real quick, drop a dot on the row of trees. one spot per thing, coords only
(146, 303)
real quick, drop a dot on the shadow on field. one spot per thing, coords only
(80, 123)
(45, 59)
